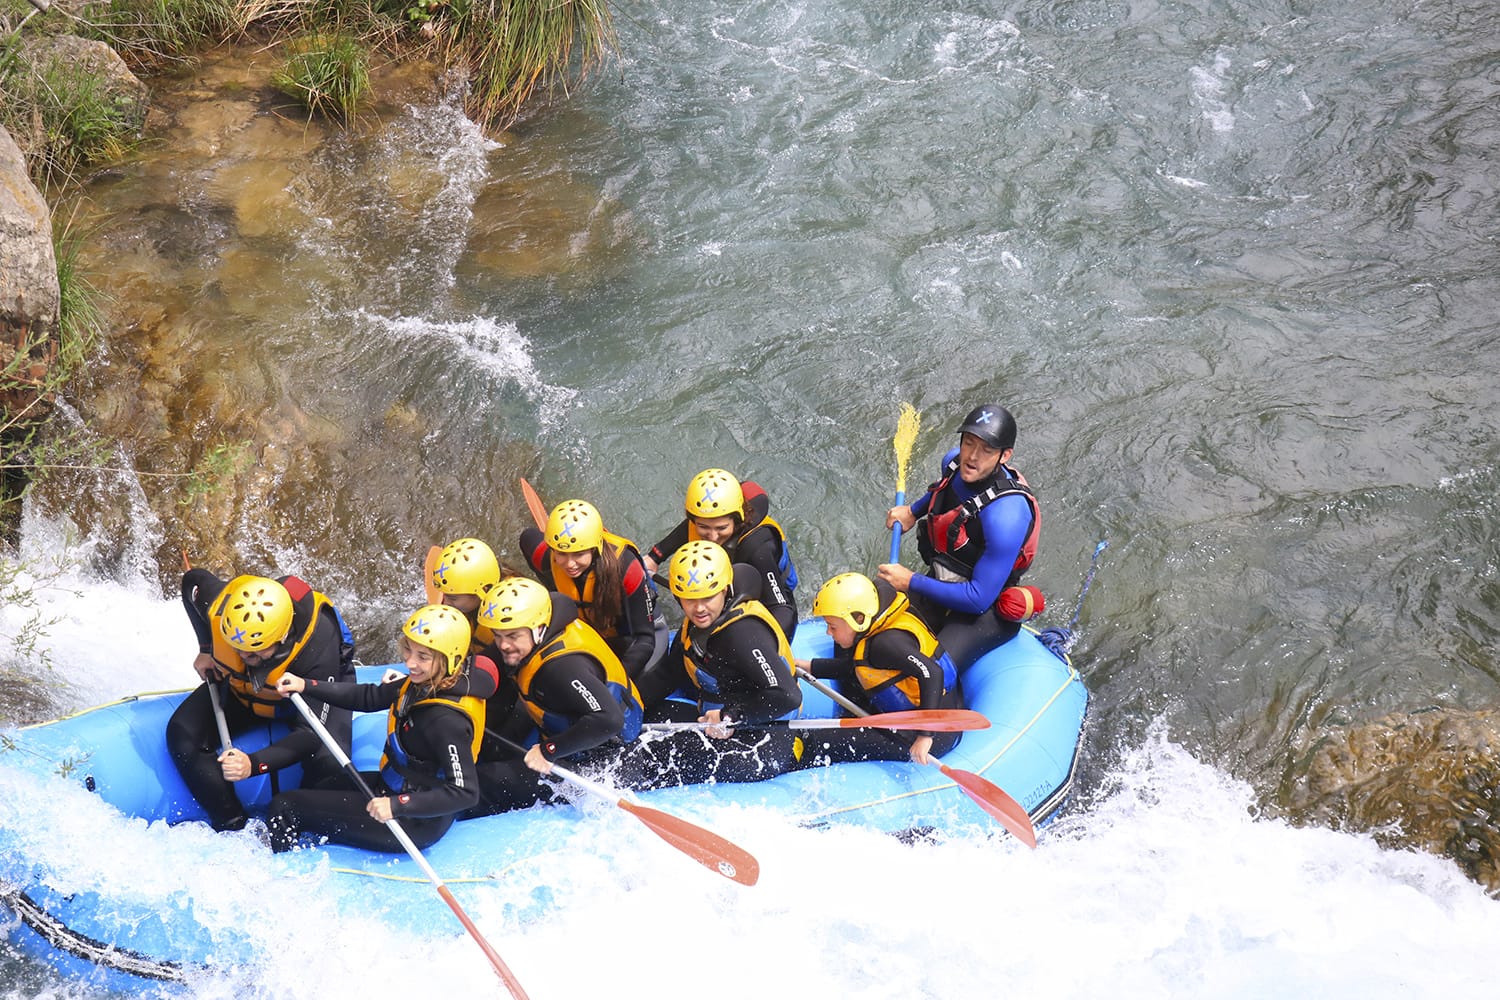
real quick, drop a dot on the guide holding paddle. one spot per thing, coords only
(435, 718)
(977, 530)
(250, 632)
(888, 661)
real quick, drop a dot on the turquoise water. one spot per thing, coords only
(1233, 266)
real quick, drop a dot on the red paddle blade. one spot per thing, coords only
(704, 846)
(534, 504)
(434, 596)
(512, 984)
(932, 720)
(993, 800)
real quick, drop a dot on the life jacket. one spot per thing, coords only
(699, 655)
(258, 691)
(755, 521)
(953, 536)
(397, 766)
(584, 597)
(579, 637)
(894, 690)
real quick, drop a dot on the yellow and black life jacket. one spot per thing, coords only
(697, 658)
(580, 637)
(256, 690)
(895, 690)
(397, 765)
(584, 598)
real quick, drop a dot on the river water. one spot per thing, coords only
(1228, 264)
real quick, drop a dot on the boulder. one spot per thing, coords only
(28, 267)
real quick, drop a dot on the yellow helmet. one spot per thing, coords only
(699, 569)
(715, 493)
(575, 525)
(466, 566)
(850, 596)
(442, 629)
(257, 612)
(516, 602)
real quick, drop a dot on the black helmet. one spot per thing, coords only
(992, 424)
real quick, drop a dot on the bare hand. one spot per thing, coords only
(207, 667)
(235, 764)
(896, 575)
(921, 750)
(650, 564)
(719, 728)
(379, 809)
(537, 762)
(901, 515)
(290, 684)
(803, 665)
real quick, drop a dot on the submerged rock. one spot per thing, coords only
(1423, 779)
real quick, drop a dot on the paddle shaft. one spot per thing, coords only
(703, 846)
(501, 969)
(213, 696)
(937, 720)
(896, 530)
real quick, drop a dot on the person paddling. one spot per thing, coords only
(577, 703)
(979, 525)
(605, 577)
(435, 718)
(251, 632)
(736, 516)
(732, 653)
(888, 661)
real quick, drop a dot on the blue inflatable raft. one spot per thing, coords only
(1034, 700)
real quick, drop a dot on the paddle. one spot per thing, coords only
(534, 504)
(704, 846)
(225, 743)
(434, 596)
(989, 796)
(501, 969)
(906, 436)
(933, 720)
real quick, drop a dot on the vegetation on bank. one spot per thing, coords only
(66, 122)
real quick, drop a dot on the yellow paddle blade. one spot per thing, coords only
(906, 436)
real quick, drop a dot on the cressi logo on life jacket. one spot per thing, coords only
(953, 535)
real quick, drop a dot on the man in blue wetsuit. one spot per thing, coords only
(979, 525)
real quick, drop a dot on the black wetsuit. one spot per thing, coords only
(440, 780)
(192, 734)
(761, 550)
(754, 683)
(581, 722)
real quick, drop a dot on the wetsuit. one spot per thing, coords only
(895, 665)
(575, 701)
(742, 665)
(639, 634)
(759, 542)
(315, 648)
(957, 597)
(427, 769)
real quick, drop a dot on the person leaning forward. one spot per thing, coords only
(977, 530)
(733, 654)
(251, 632)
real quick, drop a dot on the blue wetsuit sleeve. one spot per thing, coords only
(1006, 522)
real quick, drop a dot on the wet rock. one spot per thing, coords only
(28, 286)
(1423, 779)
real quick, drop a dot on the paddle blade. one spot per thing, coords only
(534, 504)
(931, 720)
(434, 596)
(993, 800)
(496, 962)
(703, 846)
(906, 436)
